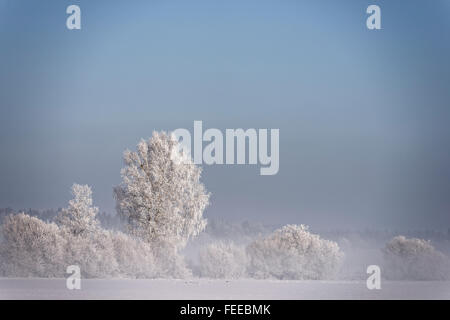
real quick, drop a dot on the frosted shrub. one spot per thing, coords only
(87, 246)
(292, 252)
(414, 259)
(222, 260)
(134, 257)
(31, 247)
(100, 253)
(169, 263)
(94, 254)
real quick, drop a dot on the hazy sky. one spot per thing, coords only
(363, 115)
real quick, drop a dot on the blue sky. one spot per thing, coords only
(363, 115)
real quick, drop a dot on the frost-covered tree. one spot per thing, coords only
(414, 259)
(160, 196)
(223, 260)
(292, 252)
(80, 216)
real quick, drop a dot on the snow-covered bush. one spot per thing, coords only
(93, 253)
(80, 217)
(134, 257)
(223, 260)
(169, 263)
(161, 198)
(414, 259)
(292, 252)
(87, 245)
(31, 247)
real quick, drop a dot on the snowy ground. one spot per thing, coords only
(218, 289)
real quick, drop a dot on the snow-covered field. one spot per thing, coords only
(219, 289)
